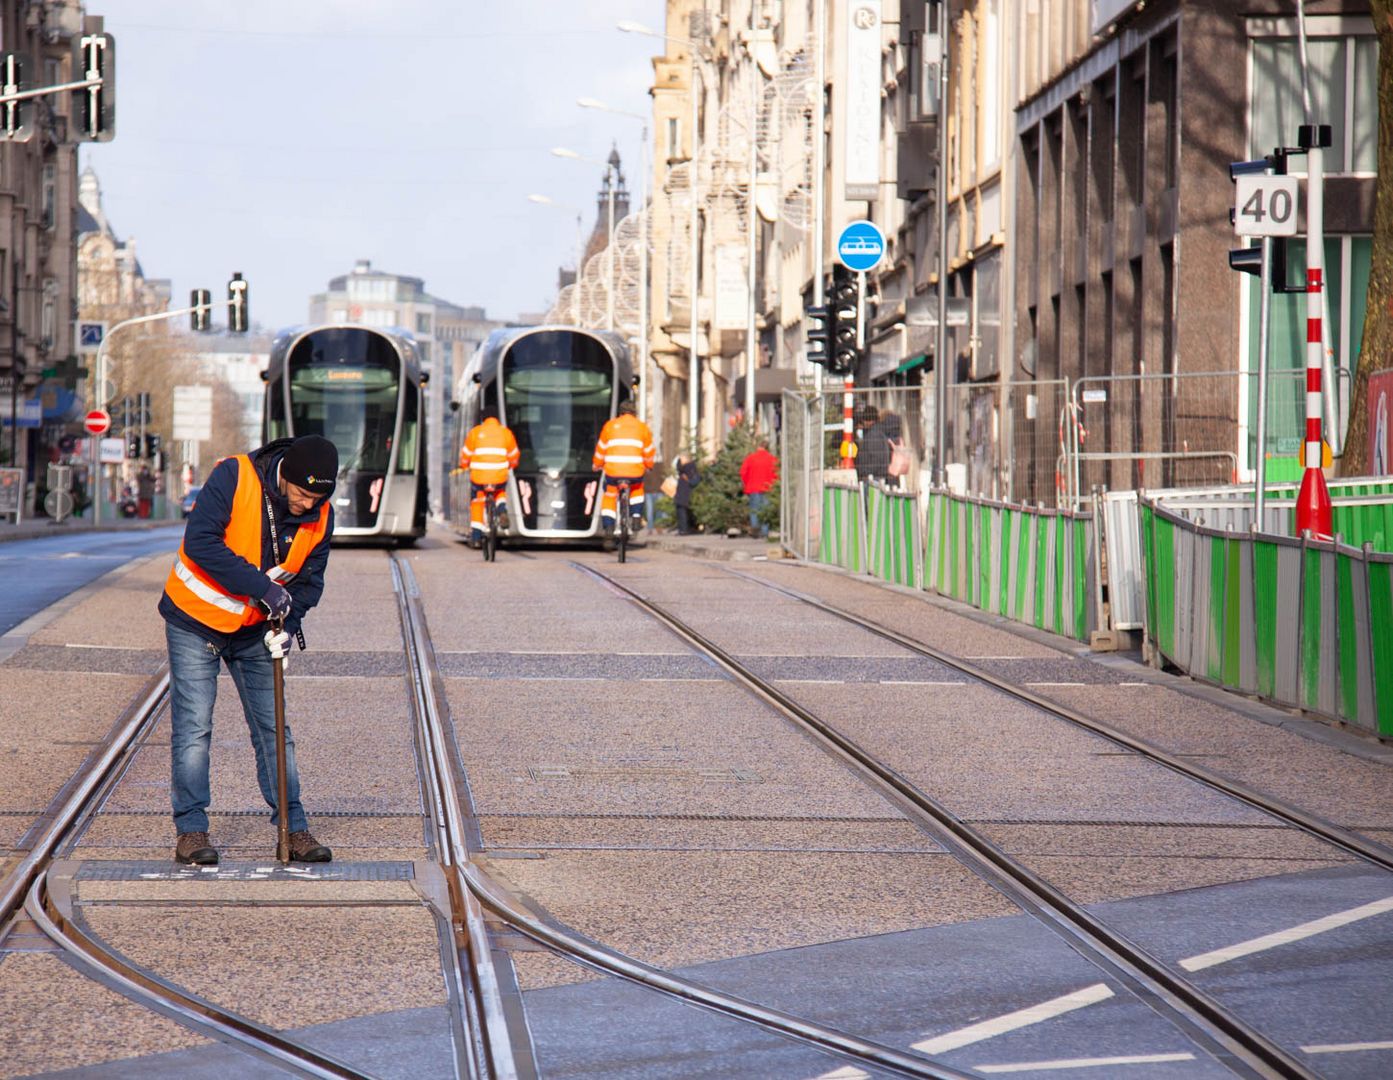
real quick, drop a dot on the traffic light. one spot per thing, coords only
(152, 444)
(201, 300)
(16, 116)
(132, 445)
(94, 107)
(819, 334)
(237, 304)
(843, 306)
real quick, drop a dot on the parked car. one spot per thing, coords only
(190, 497)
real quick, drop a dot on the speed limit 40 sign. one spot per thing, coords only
(1266, 206)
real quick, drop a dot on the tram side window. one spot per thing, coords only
(275, 412)
(410, 430)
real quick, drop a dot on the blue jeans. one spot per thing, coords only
(193, 686)
(758, 501)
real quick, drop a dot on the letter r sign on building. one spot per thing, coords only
(861, 109)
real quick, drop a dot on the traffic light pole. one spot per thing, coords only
(848, 428)
(1313, 509)
(1264, 318)
(101, 390)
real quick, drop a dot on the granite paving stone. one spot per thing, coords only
(674, 909)
(986, 756)
(1335, 785)
(120, 614)
(911, 615)
(81, 1021)
(284, 966)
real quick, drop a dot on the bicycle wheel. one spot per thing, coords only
(622, 508)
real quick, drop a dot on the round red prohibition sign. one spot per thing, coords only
(98, 421)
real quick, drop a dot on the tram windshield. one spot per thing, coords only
(343, 386)
(557, 389)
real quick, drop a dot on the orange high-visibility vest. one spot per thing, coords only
(200, 597)
(489, 451)
(625, 448)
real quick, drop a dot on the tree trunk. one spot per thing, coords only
(1376, 354)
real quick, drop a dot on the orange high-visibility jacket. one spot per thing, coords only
(489, 451)
(625, 448)
(200, 597)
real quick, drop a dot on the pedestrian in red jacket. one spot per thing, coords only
(758, 472)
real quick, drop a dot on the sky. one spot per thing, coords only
(287, 139)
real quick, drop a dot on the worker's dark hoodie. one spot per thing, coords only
(203, 541)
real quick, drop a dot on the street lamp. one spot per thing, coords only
(693, 360)
(610, 178)
(591, 103)
(547, 200)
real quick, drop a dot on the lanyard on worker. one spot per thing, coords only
(276, 547)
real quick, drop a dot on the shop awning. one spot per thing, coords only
(770, 384)
(912, 363)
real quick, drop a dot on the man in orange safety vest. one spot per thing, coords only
(624, 452)
(489, 452)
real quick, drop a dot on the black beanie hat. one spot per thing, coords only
(311, 462)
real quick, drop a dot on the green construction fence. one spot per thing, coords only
(1297, 622)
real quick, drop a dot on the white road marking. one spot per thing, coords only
(1286, 937)
(1056, 684)
(1005, 658)
(922, 682)
(999, 1025)
(1083, 1063)
(75, 645)
(1345, 1048)
(827, 682)
(1134, 684)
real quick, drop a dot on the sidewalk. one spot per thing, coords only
(32, 528)
(708, 546)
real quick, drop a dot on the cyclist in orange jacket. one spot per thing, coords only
(624, 452)
(489, 452)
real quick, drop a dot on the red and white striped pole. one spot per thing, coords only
(1313, 510)
(848, 450)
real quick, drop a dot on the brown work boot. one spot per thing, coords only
(193, 847)
(305, 848)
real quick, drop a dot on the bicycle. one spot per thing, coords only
(621, 507)
(490, 544)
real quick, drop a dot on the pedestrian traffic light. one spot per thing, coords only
(819, 334)
(844, 308)
(237, 304)
(132, 445)
(94, 107)
(201, 300)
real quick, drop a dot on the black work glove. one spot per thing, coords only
(276, 602)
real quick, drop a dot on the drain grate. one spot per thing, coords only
(619, 774)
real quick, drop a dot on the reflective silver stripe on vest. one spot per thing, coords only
(206, 592)
(280, 574)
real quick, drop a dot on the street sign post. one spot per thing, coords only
(1265, 205)
(193, 413)
(861, 246)
(97, 422)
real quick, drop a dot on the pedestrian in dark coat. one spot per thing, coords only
(687, 478)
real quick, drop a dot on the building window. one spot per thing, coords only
(48, 315)
(674, 139)
(1344, 93)
(423, 324)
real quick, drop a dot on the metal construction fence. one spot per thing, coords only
(1034, 565)
(843, 533)
(1297, 622)
(896, 546)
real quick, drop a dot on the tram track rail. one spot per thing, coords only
(1229, 1039)
(476, 889)
(27, 888)
(1346, 840)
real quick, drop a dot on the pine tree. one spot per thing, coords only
(718, 502)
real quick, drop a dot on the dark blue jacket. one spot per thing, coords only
(203, 541)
